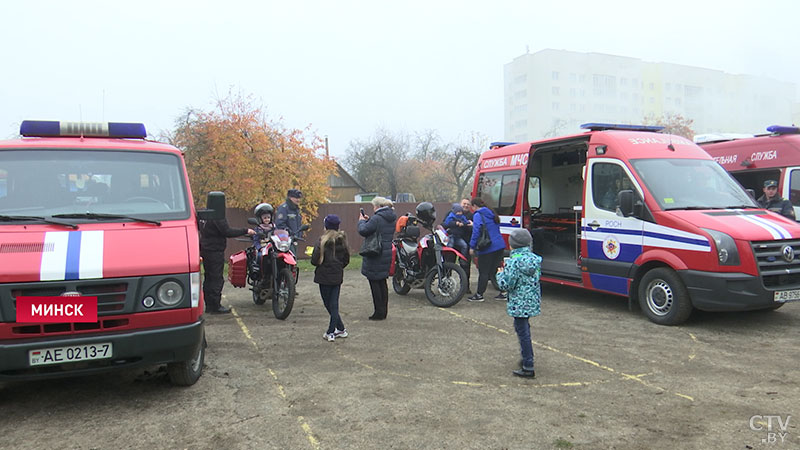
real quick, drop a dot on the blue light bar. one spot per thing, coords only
(500, 144)
(777, 129)
(620, 126)
(43, 128)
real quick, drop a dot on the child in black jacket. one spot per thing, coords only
(331, 256)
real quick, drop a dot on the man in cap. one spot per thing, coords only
(774, 202)
(288, 215)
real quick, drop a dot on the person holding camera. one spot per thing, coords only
(376, 268)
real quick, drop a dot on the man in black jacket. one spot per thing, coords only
(213, 240)
(288, 217)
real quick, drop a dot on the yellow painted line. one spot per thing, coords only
(314, 442)
(278, 386)
(244, 328)
(487, 325)
(464, 383)
(576, 357)
(694, 344)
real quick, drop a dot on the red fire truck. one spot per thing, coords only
(626, 210)
(96, 212)
(753, 160)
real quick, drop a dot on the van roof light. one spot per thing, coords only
(500, 144)
(778, 129)
(620, 126)
(44, 128)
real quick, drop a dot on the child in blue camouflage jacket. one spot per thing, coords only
(520, 278)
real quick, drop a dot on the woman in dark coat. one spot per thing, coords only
(376, 268)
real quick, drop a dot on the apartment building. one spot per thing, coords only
(552, 92)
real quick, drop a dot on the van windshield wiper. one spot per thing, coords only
(36, 218)
(693, 208)
(97, 216)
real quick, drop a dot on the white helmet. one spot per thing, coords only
(263, 208)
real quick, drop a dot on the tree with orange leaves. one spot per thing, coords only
(234, 148)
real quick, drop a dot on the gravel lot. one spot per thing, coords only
(440, 378)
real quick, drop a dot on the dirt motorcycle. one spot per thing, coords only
(427, 263)
(269, 266)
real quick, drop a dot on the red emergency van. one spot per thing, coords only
(753, 160)
(95, 211)
(629, 211)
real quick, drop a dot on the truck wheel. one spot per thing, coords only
(448, 291)
(663, 297)
(186, 373)
(493, 279)
(283, 297)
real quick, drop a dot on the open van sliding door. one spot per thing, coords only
(554, 191)
(613, 242)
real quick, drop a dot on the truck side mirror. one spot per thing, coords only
(215, 207)
(625, 200)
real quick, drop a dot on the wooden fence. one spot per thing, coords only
(347, 212)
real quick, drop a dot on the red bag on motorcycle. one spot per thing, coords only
(394, 258)
(237, 269)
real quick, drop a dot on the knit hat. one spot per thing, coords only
(457, 208)
(332, 222)
(520, 238)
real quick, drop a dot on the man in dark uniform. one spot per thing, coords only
(213, 240)
(774, 202)
(288, 215)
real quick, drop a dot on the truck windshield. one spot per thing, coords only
(691, 184)
(47, 183)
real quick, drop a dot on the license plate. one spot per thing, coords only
(73, 353)
(787, 296)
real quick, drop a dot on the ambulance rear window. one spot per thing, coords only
(499, 190)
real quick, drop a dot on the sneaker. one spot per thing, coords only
(476, 298)
(330, 337)
(525, 373)
(501, 296)
(340, 333)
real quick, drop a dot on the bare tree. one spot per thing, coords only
(376, 161)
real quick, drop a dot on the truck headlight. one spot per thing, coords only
(169, 293)
(727, 254)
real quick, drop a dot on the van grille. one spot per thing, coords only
(776, 272)
(110, 296)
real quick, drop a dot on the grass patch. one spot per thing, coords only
(355, 264)
(562, 443)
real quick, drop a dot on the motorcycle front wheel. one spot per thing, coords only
(448, 291)
(260, 294)
(283, 297)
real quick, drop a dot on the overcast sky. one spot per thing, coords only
(345, 67)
